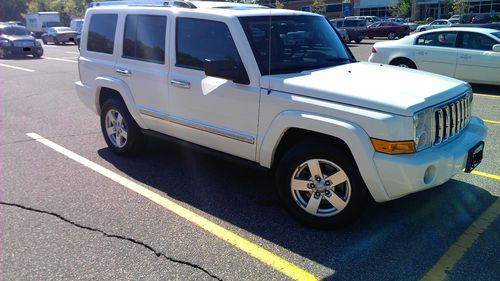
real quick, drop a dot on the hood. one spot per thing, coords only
(375, 86)
(18, 37)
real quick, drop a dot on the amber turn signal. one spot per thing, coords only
(393, 147)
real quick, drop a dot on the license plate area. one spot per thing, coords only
(27, 49)
(474, 157)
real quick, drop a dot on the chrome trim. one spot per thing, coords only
(440, 125)
(451, 118)
(180, 84)
(198, 126)
(122, 71)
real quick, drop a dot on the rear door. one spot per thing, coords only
(436, 52)
(143, 64)
(476, 61)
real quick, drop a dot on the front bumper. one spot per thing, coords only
(409, 173)
(13, 51)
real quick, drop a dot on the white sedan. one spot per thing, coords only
(469, 54)
(435, 24)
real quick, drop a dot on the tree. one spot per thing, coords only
(319, 7)
(400, 8)
(279, 5)
(12, 9)
(460, 7)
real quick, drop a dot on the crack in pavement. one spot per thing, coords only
(158, 254)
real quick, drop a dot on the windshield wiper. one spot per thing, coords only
(341, 59)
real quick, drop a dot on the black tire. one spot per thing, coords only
(44, 40)
(371, 37)
(56, 42)
(135, 139)
(295, 158)
(358, 41)
(404, 62)
(422, 29)
(3, 54)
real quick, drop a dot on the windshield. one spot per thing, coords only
(52, 23)
(15, 30)
(297, 43)
(63, 29)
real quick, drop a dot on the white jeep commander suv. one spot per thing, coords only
(279, 88)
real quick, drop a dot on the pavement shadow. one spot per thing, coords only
(400, 239)
(486, 89)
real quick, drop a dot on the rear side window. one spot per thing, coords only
(197, 40)
(101, 36)
(476, 41)
(145, 38)
(438, 39)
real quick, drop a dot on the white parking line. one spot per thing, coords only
(265, 256)
(76, 53)
(58, 59)
(17, 67)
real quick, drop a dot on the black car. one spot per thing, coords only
(493, 25)
(483, 18)
(17, 40)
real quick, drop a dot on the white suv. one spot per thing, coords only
(278, 88)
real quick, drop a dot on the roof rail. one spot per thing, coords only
(161, 3)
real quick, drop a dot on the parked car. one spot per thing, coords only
(462, 18)
(469, 54)
(493, 25)
(17, 40)
(59, 35)
(277, 88)
(343, 34)
(482, 18)
(388, 29)
(368, 19)
(356, 28)
(433, 25)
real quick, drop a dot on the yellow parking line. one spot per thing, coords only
(489, 96)
(491, 121)
(483, 174)
(456, 251)
(263, 255)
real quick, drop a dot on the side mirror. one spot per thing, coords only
(496, 48)
(226, 69)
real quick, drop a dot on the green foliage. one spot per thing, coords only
(68, 9)
(279, 5)
(460, 7)
(401, 8)
(319, 7)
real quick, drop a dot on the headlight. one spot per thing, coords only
(37, 43)
(5, 42)
(424, 128)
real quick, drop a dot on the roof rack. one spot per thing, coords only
(157, 3)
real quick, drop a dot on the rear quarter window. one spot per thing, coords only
(101, 34)
(145, 38)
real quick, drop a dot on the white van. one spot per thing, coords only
(38, 23)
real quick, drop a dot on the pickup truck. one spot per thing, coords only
(278, 88)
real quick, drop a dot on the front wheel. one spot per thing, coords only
(120, 131)
(391, 36)
(320, 185)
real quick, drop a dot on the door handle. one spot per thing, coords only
(421, 53)
(122, 71)
(180, 84)
(465, 57)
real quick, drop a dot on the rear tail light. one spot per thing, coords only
(374, 51)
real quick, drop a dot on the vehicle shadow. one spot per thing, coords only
(404, 237)
(486, 89)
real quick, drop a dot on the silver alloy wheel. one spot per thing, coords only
(403, 65)
(391, 36)
(320, 187)
(116, 128)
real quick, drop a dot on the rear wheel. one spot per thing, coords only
(44, 40)
(320, 185)
(3, 54)
(358, 41)
(391, 36)
(56, 41)
(404, 62)
(120, 131)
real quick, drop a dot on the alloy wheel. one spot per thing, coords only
(116, 128)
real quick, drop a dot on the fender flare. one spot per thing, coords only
(354, 136)
(124, 91)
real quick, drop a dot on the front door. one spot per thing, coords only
(476, 61)
(209, 111)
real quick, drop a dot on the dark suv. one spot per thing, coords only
(356, 28)
(17, 40)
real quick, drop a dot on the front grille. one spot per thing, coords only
(452, 118)
(23, 43)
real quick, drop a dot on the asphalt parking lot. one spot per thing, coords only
(72, 210)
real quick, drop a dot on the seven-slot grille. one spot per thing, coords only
(452, 118)
(23, 43)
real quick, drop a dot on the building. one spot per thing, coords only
(334, 8)
(380, 8)
(441, 8)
